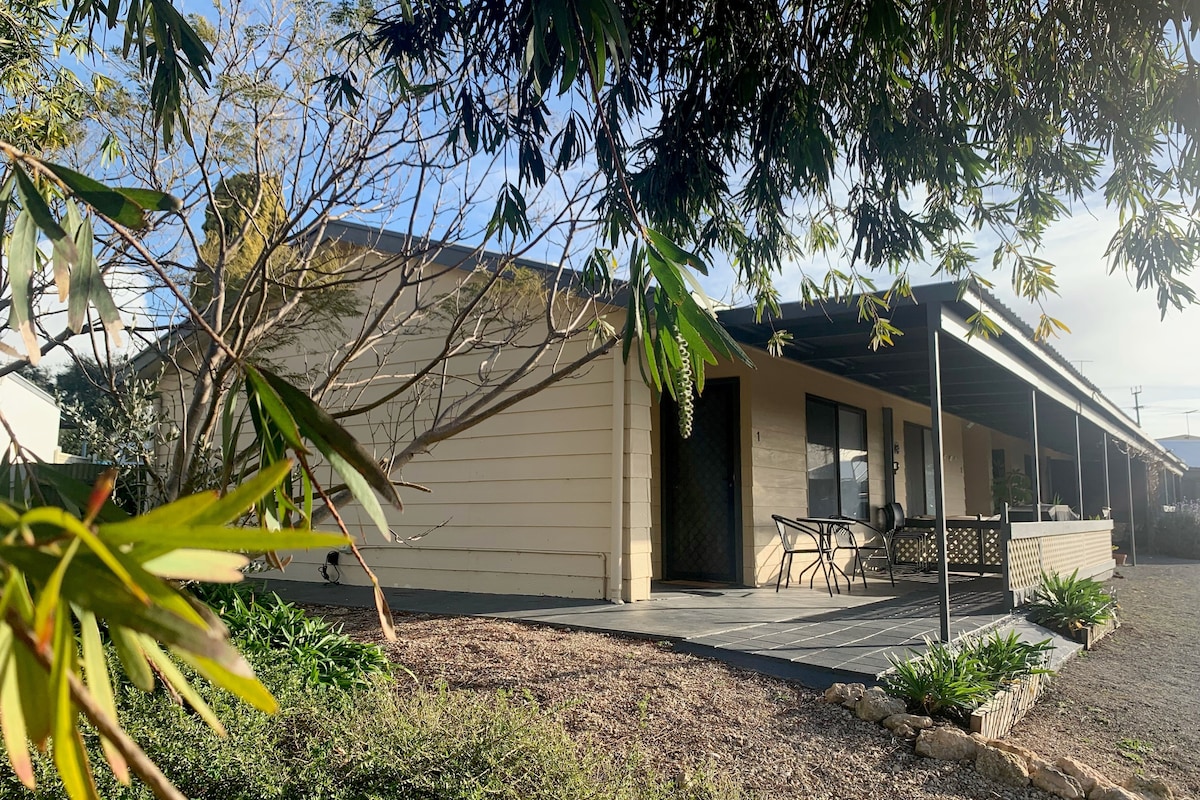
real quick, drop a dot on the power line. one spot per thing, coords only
(1137, 403)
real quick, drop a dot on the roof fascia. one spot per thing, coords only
(1108, 417)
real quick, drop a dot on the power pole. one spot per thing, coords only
(1137, 405)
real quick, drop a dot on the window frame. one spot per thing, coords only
(864, 508)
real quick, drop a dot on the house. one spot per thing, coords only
(1187, 448)
(586, 489)
(33, 415)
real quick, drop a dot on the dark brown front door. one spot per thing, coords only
(702, 502)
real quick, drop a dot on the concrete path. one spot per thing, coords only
(798, 633)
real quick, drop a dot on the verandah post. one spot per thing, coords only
(934, 325)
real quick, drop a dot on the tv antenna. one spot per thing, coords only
(1137, 404)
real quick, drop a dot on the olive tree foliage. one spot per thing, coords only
(265, 181)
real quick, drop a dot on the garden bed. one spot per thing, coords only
(995, 718)
(1089, 635)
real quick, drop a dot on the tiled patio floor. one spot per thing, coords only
(798, 633)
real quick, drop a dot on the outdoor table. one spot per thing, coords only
(826, 529)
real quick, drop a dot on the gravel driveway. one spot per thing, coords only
(1134, 702)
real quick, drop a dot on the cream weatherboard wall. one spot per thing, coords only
(774, 453)
(523, 502)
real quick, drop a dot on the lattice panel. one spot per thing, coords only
(1064, 554)
(1024, 567)
(912, 551)
(1028, 558)
(972, 547)
(963, 550)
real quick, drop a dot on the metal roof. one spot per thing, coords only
(1186, 447)
(986, 381)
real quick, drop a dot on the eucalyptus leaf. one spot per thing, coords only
(316, 423)
(33, 202)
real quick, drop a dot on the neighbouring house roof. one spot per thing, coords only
(30, 386)
(1187, 447)
(984, 380)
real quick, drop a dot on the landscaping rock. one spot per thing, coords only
(914, 721)
(1149, 788)
(1002, 766)
(946, 744)
(836, 693)
(854, 693)
(877, 705)
(1024, 753)
(1089, 779)
(1112, 792)
(1055, 781)
(904, 732)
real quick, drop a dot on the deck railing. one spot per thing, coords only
(1063, 547)
(1018, 551)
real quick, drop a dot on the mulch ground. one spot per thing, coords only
(642, 701)
(1134, 702)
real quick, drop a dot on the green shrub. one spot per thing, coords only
(1070, 603)
(954, 680)
(1004, 659)
(368, 744)
(262, 624)
(1177, 535)
(945, 681)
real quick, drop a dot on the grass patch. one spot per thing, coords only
(1134, 750)
(375, 742)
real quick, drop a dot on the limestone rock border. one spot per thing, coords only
(1003, 762)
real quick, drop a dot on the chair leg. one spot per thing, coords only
(887, 554)
(825, 573)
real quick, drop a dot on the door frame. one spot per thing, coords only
(668, 439)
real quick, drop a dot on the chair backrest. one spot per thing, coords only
(893, 517)
(792, 534)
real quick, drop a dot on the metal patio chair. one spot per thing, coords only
(797, 538)
(895, 531)
(844, 539)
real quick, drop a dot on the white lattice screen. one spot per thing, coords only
(1028, 558)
